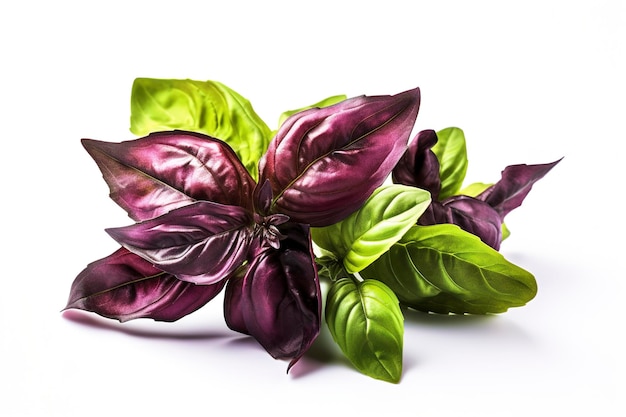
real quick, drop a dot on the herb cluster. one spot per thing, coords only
(338, 192)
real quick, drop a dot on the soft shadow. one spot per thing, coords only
(243, 341)
(96, 323)
(323, 351)
(445, 320)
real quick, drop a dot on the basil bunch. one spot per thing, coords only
(221, 202)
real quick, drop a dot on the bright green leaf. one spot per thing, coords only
(366, 322)
(207, 107)
(366, 234)
(323, 103)
(474, 189)
(505, 232)
(443, 269)
(451, 152)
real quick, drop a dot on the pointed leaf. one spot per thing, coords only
(278, 301)
(358, 141)
(443, 269)
(202, 243)
(366, 322)
(153, 175)
(208, 107)
(515, 184)
(124, 286)
(419, 166)
(452, 155)
(322, 103)
(370, 231)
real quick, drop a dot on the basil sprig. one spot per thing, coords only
(222, 202)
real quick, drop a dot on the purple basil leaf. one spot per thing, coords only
(264, 197)
(419, 166)
(515, 184)
(124, 286)
(470, 214)
(436, 213)
(150, 176)
(476, 217)
(233, 311)
(324, 163)
(278, 301)
(202, 243)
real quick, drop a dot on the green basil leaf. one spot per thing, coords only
(207, 107)
(474, 189)
(323, 103)
(443, 269)
(366, 234)
(328, 267)
(505, 232)
(366, 322)
(451, 152)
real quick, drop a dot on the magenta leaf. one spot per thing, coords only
(124, 286)
(203, 242)
(278, 301)
(513, 187)
(324, 163)
(150, 176)
(419, 166)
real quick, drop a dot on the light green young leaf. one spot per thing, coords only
(474, 189)
(366, 234)
(323, 103)
(451, 152)
(207, 107)
(366, 322)
(443, 269)
(505, 232)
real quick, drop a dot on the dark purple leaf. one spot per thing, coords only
(470, 214)
(278, 302)
(419, 166)
(233, 311)
(153, 175)
(476, 217)
(324, 163)
(203, 242)
(124, 286)
(515, 184)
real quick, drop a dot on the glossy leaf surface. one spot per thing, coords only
(208, 107)
(153, 175)
(443, 269)
(324, 163)
(203, 242)
(370, 231)
(278, 301)
(124, 286)
(366, 322)
(451, 153)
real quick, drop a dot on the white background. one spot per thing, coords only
(528, 82)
